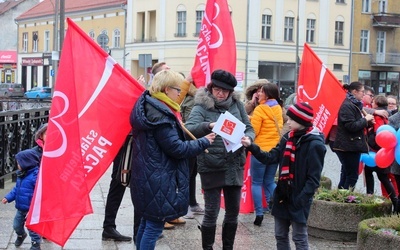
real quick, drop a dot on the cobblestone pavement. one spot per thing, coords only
(183, 237)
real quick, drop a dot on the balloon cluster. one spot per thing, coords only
(387, 138)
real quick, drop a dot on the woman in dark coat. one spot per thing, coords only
(351, 139)
(219, 169)
(160, 153)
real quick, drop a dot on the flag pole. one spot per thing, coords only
(190, 134)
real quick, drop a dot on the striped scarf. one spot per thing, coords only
(289, 154)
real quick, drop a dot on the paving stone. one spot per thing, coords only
(183, 237)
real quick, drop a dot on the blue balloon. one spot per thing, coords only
(397, 153)
(398, 135)
(362, 157)
(369, 159)
(386, 127)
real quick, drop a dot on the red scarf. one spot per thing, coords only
(289, 154)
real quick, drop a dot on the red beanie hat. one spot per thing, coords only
(301, 113)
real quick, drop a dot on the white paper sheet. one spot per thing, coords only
(231, 130)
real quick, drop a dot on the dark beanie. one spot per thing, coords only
(302, 113)
(223, 79)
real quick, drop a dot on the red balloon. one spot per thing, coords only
(384, 157)
(386, 139)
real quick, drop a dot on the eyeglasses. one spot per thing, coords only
(220, 90)
(370, 95)
(390, 103)
(177, 89)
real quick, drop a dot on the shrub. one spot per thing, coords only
(347, 196)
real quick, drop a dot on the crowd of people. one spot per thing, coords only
(172, 140)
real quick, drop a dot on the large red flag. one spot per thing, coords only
(216, 47)
(321, 89)
(88, 123)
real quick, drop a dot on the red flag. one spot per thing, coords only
(321, 89)
(216, 47)
(88, 123)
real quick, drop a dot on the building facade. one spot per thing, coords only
(375, 57)
(9, 10)
(103, 20)
(266, 36)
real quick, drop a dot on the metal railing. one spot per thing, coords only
(388, 59)
(17, 132)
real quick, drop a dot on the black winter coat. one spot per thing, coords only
(350, 135)
(309, 161)
(218, 168)
(160, 171)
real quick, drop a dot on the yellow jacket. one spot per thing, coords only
(262, 120)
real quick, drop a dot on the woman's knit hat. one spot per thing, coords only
(302, 113)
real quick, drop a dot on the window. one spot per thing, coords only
(92, 34)
(366, 6)
(25, 42)
(364, 41)
(310, 36)
(382, 6)
(266, 26)
(289, 22)
(46, 41)
(104, 32)
(337, 66)
(181, 21)
(340, 1)
(339, 32)
(35, 40)
(117, 39)
(199, 18)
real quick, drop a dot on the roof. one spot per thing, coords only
(46, 7)
(8, 5)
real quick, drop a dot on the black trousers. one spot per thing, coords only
(192, 181)
(115, 195)
(383, 178)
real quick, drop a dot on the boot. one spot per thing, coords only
(207, 237)
(395, 203)
(110, 233)
(228, 235)
(398, 205)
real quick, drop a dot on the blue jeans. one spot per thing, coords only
(262, 176)
(349, 172)
(19, 226)
(212, 199)
(299, 234)
(148, 233)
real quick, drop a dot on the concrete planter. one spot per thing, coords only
(368, 238)
(339, 221)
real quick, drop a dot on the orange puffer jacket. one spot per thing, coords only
(267, 135)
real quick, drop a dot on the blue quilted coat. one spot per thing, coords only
(160, 170)
(22, 193)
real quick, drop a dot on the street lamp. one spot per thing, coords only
(297, 48)
(54, 54)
